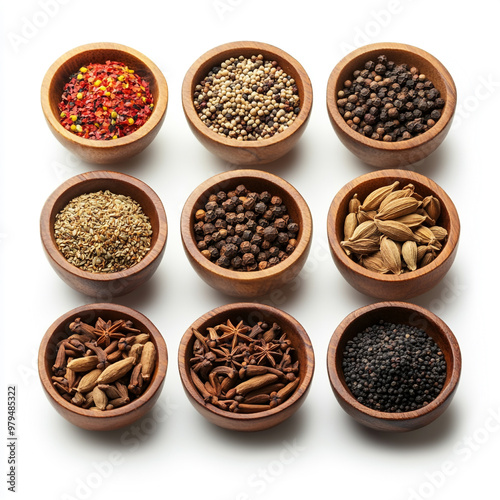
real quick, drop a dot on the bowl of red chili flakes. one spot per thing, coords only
(105, 102)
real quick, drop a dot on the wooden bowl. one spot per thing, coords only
(390, 286)
(251, 313)
(105, 285)
(398, 313)
(392, 154)
(247, 152)
(255, 283)
(102, 151)
(111, 419)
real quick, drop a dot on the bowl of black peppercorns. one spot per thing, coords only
(391, 104)
(394, 366)
(246, 232)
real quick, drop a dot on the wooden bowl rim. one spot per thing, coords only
(149, 393)
(300, 391)
(399, 174)
(426, 137)
(225, 50)
(240, 276)
(46, 226)
(159, 109)
(343, 392)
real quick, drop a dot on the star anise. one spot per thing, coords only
(234, 332)
(203, 363)
(267, 350)
(107, 331)
(232, 358)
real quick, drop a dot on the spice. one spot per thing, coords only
(244, 230)
(391, 231)
(244, 369)
(389, 102)
(247, 99)
(394, 367)
(105, 101)
(99, 367)
(103, 232)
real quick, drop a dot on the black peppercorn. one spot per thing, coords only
(223, 261)
(214, 253)
(274, 251)
(248, 259)
(236, 262)
(260, 207)
(270, 233)
(208, 228)
(230, 250)
(265, 197)
(396, 89)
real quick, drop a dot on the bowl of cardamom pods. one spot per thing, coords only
(102, 366)
(246, 366)
(393, 234)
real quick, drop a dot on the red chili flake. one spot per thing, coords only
(105, 101)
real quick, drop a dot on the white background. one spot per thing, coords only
(183, 456)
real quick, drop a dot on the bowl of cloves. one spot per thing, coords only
(246, 366)
(246, 232)
(102, 366)
(391, 104)
(393, 234)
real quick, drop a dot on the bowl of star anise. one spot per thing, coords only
(246, 366)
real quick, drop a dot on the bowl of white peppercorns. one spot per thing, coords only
(247, 102)
(391, 104)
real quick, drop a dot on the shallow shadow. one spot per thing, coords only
(428, 166)
(130, 438)
(433, 163)
(282, 297)
(269, 438)
(284, 165)
(144, 295)
(439, 431)
(445, 293)
(138, 165)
